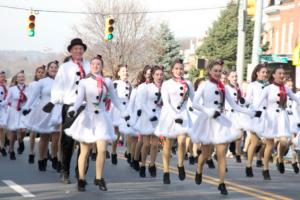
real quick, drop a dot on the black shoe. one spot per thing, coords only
(238, 159)
(143, 171)
(54, 163)
(125, 154)
(114, 159)
(280, 167)
(102, 185)
(81, 185)
(41, 165)
(58, 169)
(3, 152)
(223, 189)
(136, 165)
(64, 178)
(173, 150)
(259, 163)
(45, 164)
(152, 170)
(210, 164)
(186, 157)
(295, 167)
(249, 172)
(198, 178)
(181, 173)
(12, 155)
(31, 159)
(266, 175)
(167, 178)
(107, 155)
(129, 158)
(93, 156)
(192, 160)
(21, 148)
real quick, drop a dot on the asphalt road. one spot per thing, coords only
(20, 180)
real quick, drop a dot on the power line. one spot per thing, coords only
(99, 13)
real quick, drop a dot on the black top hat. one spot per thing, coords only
(77, 41)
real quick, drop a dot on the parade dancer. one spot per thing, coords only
(40, 121)
(150, 107)
(175, 121)
(15, 100)
(93, 124)
(123, 90)
(64, 91)
(254, 91)
(212, 127)
(142, 80)
(3, 112)
(277, 124)
(39, 74)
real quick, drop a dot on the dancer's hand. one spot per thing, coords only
(48, 107)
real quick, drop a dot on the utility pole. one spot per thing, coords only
(240, 57)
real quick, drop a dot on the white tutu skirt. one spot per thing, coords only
(240, 120)
(207, 130)
(167, 127)
(115, 116)
(14, 119)
(296, 142)
(293, 124)
(3, 116)
(144, 126)
(277, 124)
(89, 127)
(40, 121)
(257, 124)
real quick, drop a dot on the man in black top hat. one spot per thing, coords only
(64, 91)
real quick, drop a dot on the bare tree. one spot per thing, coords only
(132, 34)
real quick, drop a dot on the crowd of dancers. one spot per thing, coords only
(73, 103)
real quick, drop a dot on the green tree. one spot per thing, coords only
(167, 48)
(221, 41)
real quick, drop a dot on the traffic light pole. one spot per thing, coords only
(257, 33)
(240, 57)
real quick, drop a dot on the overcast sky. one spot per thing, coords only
(53, 30)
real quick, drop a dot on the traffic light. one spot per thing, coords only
(31, 25)
(109, 28)
(251, 7)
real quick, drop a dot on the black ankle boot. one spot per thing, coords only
(107, 155)
(58, 169)
(192, 160)
(280, 167)
(31, 159)
(152, 170)
(129, 158)
(114, 159)
(198, 178)
(12, 155)
(181, 173)
(44, 164)
(223, 189)
(266, 174)
(21, 148)
(249, 172)
(102, 185)
(136, 165)
(167, 178)
(295, 167)
(210, 164)
(259, 163)
(54, 163)
(81, 185)
(41, 165)
(143, 171)
(238, 159)
(3, 152)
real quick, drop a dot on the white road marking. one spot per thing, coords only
(18, 188)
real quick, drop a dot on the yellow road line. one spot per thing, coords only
(260, 194)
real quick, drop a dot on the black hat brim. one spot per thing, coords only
(81, 44)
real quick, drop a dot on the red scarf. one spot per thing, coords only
(81, 70)
(22, 97)
(221, 89)
(238, 90)
(100, 84)
(282, 95)
(5, 89)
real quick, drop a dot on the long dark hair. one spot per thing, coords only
(42, 67)
(271, 78)
(141, 75)
(49, 64)
(256, 70)
(197, 82)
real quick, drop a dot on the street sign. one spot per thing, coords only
(274, 58)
